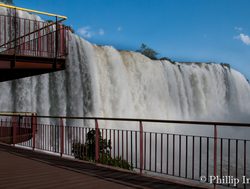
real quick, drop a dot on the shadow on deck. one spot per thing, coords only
(29, 169)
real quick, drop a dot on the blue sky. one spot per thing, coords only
(183, 30)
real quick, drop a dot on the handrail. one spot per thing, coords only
(32, 11)
(17, 113)
(204, 123)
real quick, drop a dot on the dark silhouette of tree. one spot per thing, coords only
(87, 151)
(147, 51)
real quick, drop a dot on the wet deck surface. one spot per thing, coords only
(25, 169)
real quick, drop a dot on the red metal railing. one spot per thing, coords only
(25, 37)
(196, 151)
(17, 129)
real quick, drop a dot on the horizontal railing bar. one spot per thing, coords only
(32, 11)
(35, 31)
(111, 129)
(33, 40)
(147, 132)
(26, 19)
(197, 136)
(201, 123)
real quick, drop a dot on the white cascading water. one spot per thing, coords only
(102, 81)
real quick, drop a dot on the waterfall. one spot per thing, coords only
(102, 81)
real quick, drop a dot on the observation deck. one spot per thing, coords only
(31, 46)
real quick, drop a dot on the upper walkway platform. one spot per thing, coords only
(31, 46)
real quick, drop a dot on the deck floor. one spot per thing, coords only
(20, 168)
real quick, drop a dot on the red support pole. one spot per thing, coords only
(39, 41)
(215, 152)
(14, 124)
(29, 43)
(24, 40)
(6, 130)
(61, 40)
(64, 41)
(10, 37)
(96, 141)
(141, 147)
(33, 125)
(1, 129)
(62, 136)
(5, 32)
(0, 30)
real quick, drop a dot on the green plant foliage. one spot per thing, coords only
(225, 65)
(116, 162)
(150, 53)
(49, 21)
(166, 58)
(69, 27)
(87, 151)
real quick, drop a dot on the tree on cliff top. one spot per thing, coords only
(147, 51)
(9, 2)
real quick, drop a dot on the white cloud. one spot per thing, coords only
(239, 29)
(119, 29)
(85, 32)
(244, 38)
(101, 32)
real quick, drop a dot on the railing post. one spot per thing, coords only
(245, 161)
(14, 123)
(56, 44)
(33, 125)
(39, 40)
(96, 141)
(141, 147)
(215, 152)
(61, 39)
(1, 124)
(13, 63)
(62, 136)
